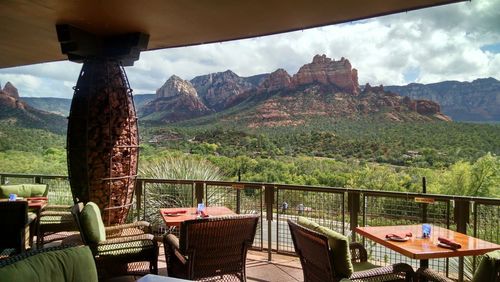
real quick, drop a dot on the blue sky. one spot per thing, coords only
(452, 42)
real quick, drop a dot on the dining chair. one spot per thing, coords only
(127, 249)
(211, 248)
(326, 255)
(15, 234)
(487, 271)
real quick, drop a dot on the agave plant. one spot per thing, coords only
(158, 195)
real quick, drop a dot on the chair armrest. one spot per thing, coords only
(171, 240)
(171, 244)
(431, 275)
(358, 252)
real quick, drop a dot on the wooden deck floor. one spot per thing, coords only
(282, 268)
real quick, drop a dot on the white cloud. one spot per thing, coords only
(429, 45)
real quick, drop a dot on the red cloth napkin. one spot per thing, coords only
(449, 243)
(174, 212)
(203, 214)
(401, 235)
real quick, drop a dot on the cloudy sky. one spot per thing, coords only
(453, 42)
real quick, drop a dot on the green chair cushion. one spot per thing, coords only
(132, 247)
(70, 264)
(37, 190)
(361, 266)
(92, 225)
(339, 246)
(23, 190)
(488, 267)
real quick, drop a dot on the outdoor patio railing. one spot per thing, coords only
(341, 209)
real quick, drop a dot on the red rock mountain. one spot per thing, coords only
(324, 88)
(16, 112)
(176, 100)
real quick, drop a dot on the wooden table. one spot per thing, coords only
(426, 248)
(175, 220)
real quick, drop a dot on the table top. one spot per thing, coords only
(190, 213)
(426, 248)
(33, 202)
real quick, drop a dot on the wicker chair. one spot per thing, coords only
(211, 248)
(127, 249)
(488, 270)
(15, 235)
(55, 222)
(317, 260)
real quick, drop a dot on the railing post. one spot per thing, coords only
(462, 213)
(424, 205)
(269, 201)
(198, 192)
(138, 195)
(238, 195)
(2, 180)
(353, 205)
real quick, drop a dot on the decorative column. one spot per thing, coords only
(102, 137)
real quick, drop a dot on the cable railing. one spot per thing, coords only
(341, 209)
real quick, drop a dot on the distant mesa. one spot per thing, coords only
(324, 88)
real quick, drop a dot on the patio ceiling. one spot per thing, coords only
(29, 35)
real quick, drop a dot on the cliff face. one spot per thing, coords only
(217, 89)
(176, 100)
(327, 71)
(478, 100)
(175, 86)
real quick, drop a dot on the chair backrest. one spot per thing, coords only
(62, 263)
(314, 252)
(489, 268)
(218, 245)
(14, 217)
(75, 211)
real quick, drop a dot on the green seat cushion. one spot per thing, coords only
(23, 190)
(488, 267)
(132, 247)
(339, 246)
(92, 225)
(361, 266)
(70, 264)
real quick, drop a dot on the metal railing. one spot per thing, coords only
(341, 209)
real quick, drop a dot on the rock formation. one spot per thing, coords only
(327, 71)
(322, 88)
(277, 80)
(11, 90)
(9, 97)
(176, 100)
(175, 86)
(216, 89)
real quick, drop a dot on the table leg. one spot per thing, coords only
(424, 263)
